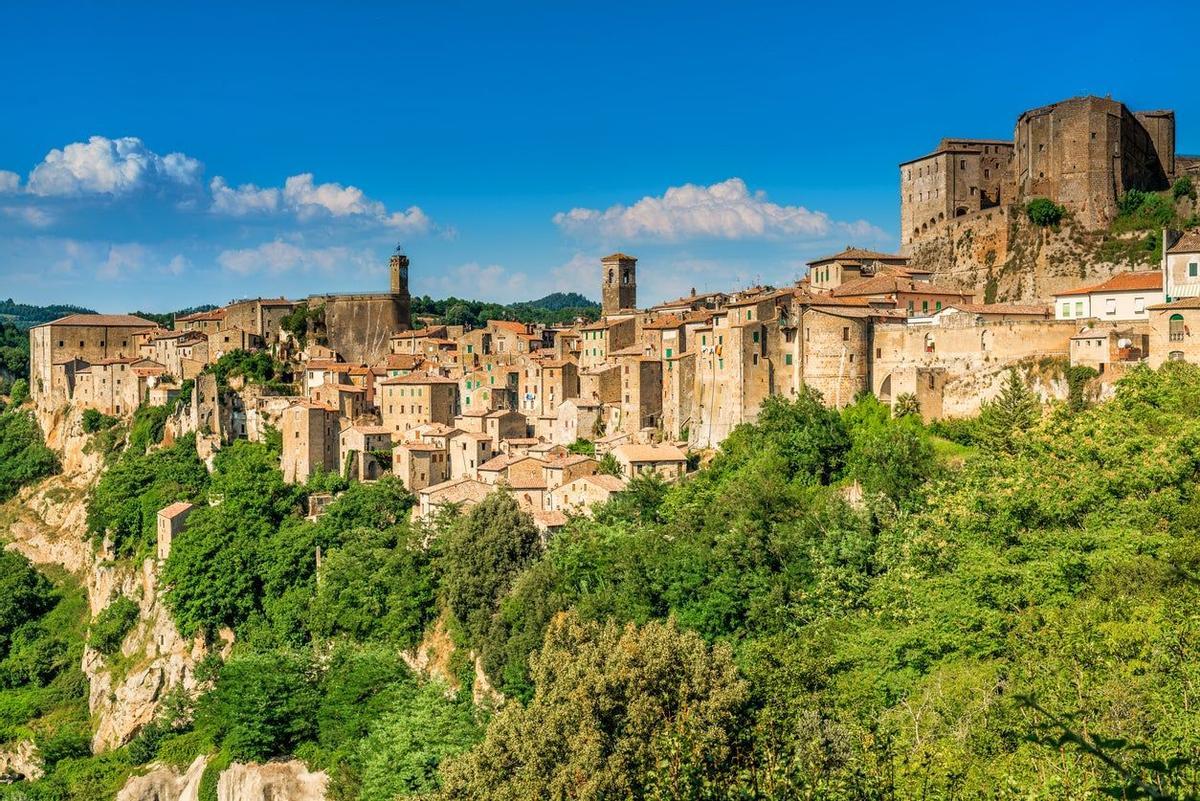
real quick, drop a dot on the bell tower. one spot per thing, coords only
(618, 280)
(400, 296)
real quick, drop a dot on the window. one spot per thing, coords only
(1176, 328)
(749, 314)
(720, 364)
(1139, 305)
(910, 308)
(1175, 356)
(669, 353)
(924, 307)
(787, 359)
(937, 306)
(755, 336)
(1193, 269)
(1110, 305)
(879, 353)
(1066, 312)
(962, 164)
(1079, 308)
(845, 333)
(703, 339)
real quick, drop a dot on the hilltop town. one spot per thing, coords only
(563, 416)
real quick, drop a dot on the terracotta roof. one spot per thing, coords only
(213, 314)
(458, 489)
(549, 518)
(618, 257)
(890, 284)
(603, 481)
(664, 322)
(424, 447)
(402, 361)
(368, 429)
(326, 364)
(650, 453)
(999, 308)
(1147, 281)
(859, 255)
(567, 459)
(175, 509)
(420, 333)
(416, 378)
(497, 463)
(632, 350)
(511, 326)
(122, 320)
(476, 435)
(1184, 303)
(1188, 243)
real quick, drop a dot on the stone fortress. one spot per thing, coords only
(358, 325)
(1084, 152)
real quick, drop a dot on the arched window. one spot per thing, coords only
(929, 343)
(625, 277)
(611, 275)
(961, 211)
(985, 340)
(1176, 328)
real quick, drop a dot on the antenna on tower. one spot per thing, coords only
(399, 248)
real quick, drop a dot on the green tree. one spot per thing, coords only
(18, 393)
(1014, 410)
(617, 713)
(264, 704)
(1044, 212)
(483, 552)
(906, 405)
(24, 457)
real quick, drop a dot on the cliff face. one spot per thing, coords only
(51, 529)
(274, 781)
(1002, 257)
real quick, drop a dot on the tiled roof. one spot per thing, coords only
(603, 481)
(123, 320)
(859, 255)
(208, 316)
(664, 322)
(416, 378)
(890, 284)
(175, 509)
(326, 364)
(1149, 280)
(619, 257)
(1188, 243)
(511, 326)
(1000, 308)
(650, 453)
(1184, 303)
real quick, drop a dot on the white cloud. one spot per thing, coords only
(122, 260)
(477, 281)
(110, 166)
(305, 198)
(725, 210)
(10, 182)
(178, 265)
(30, 215)
(279, 257)
(581, 273)
(245, 199)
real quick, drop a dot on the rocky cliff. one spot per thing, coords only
(1002, 257)
(274, 781)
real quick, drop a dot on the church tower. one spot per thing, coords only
(618, 276)
(400, 296)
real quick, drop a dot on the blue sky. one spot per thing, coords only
(162, 155)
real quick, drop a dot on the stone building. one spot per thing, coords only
(960, 177)
(1086, 152)
(618, 287)
(86, 337)
(1083, 152)
(1181, 264)
(1175, 332)
(170, 522)
(310, 441)
(420, 464)
(360, 326)
(259, 318)
(408, 401)
(668, 461)
(361, 451)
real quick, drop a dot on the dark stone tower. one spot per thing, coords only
(618, 276)
(403, 301)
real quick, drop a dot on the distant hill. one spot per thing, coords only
(556, 301)
(556, 308)
(167, 320)
(25, 315)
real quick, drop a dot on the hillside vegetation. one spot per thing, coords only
(840, 605)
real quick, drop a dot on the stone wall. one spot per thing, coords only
(359, 327)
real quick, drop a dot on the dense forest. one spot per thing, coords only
(839, 604)
(555, 308)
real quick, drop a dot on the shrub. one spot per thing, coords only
(1183, 187)
(94, 421)
(19, 393)
(1044, 212)
(24, 457)
(112, 624)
